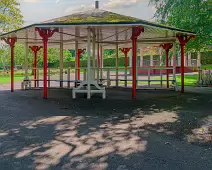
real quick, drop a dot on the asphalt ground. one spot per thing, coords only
(161, 130)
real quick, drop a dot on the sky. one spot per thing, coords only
(35, 11)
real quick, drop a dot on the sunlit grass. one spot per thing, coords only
(7, 79)
(189, 81)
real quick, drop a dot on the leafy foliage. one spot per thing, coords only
(194, 15)
(10, 15)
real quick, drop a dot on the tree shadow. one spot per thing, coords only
(61, 133)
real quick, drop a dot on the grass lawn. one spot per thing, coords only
(189, 81)
(7, 79)
(208, 67)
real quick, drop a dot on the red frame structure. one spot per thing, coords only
(183, 39)
(11, 42)
(136, 32)
(167, 48)
(126, 51)
(79, 53)
(100, 35)
(45, 34)
(35, 50)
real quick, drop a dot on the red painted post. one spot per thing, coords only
(35, 71)
(126, 51)
(126, 60)
(45, 34)
(167, 65)
(45, 67)
(98, 56)
(136, 31)
(167, 47)
(35, 50)
(78, 64)
(182, 67)
(183, 39)
(11, 42)
(12, 68)
(79, 53)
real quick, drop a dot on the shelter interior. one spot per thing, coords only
(94, 31)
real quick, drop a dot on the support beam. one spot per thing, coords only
(179, 58)
(141, 57)
(161, 56)
(130, 58)
(35, 50)
(186, 59)
(89, 65)
(136, 31)
(126, 51)
(76, 62)
(61, 58)
(79, 53)
(26, 61)
(167, 48)
(183, 41)
(101, 61)
(117, 59)
(189, 59)
(98, 49)
(117, 64)
(174, 60)
(61, 64)
(11, 42)
(151, 59)
(199, 59)
(45, 34)
(94, 52)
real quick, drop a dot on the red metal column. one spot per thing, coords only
(78, 64)
(126, 51)
(12, 68)
(79, 53)
(182, 67)
(35, 50)
(136, 31)
(167, 65)
(11, 42)
(35, 71)
(183, 39)
(45, 67)
(45, 34)
(167, 47)
(98, 55)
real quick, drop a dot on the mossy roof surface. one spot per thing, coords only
(90, 16)
(98, 16)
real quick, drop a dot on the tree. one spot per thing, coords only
(194, 15)
(10, 19)
(10, 15)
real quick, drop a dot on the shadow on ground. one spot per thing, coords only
(159, 130)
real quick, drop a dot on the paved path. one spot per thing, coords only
(158, 131)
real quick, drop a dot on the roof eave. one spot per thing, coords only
(49, 25)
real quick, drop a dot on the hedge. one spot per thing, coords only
(206, 58)
(108, 62)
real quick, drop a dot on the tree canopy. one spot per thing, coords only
(10, 15)
(194, 15)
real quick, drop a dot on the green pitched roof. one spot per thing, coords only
(94, 15)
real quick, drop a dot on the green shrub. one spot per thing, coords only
(206, 57)
(108, 62)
